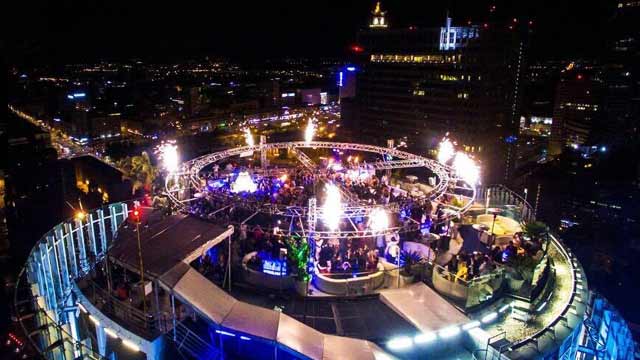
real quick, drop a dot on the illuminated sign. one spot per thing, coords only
(274, 267)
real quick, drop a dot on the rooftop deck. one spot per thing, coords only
(71, 250)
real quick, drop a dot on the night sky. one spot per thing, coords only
(75, 31)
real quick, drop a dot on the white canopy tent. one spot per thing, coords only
(215, 305)
(423, 307)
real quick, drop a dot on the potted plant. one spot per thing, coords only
(521, 271)
(410, 266)
(298, 256)
(536, 230)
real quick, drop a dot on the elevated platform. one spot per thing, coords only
(165, 241)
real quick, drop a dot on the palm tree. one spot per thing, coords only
(139, 170)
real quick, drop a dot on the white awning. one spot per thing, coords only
(300, 337)
(254, 320)
(423, 307)
(205, 297)
(339, 347)
(217, 306)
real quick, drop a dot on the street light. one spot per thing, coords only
(495, 212)
(135, 218)
(80, 215)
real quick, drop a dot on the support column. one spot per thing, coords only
(486, 206)
(72, 319)
(66, 236)
(103, 231)
(390, 145)
(92, 236)
(49, 284)
(263, 153)
(101, 337)
(52, 257)
(84, 263)
(114, 221)
(64, 269)
(173, 313)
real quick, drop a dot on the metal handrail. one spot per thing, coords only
(146, 323)
(23, 272)
(84, 349)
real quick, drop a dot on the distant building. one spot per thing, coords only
(193, 101)
(576, 111)
(622, 76)
(378, 20)
(347, 82)
(425, 83)
(310, 96)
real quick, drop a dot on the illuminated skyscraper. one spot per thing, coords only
(378, 20)
(425, 82)
(576, 110)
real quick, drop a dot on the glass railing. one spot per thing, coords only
(513, 205)
(468, 293)
(43, 293)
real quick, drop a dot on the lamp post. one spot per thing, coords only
(494, 212)
(524, 204)
(136, 220)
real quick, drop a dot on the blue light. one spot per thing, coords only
(511, 139)
(56, 119)
(340, 77)
(603, 149)
(274, 267)
(351, 68)
(244, 338)
(222, 332)
(79, 95)
(70, 97)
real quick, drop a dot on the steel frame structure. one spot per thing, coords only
(447, 183)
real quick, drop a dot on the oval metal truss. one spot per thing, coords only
(447, 183)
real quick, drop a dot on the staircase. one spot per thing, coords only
(192, 346)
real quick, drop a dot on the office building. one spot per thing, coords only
(576, 111)
(425, 83)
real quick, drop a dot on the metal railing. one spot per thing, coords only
(468, 293)
(62, 255)
(513, 205)
(149, 325)
(46, 334)
(189, 342)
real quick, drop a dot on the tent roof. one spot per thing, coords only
(254, 320)
(300, 337)
(423, 307)
(165, 241)
(338, 347)
(211, 301)
(221, 308)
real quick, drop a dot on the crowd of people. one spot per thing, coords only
(348, 256)
(413, 217)
(465, 267)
